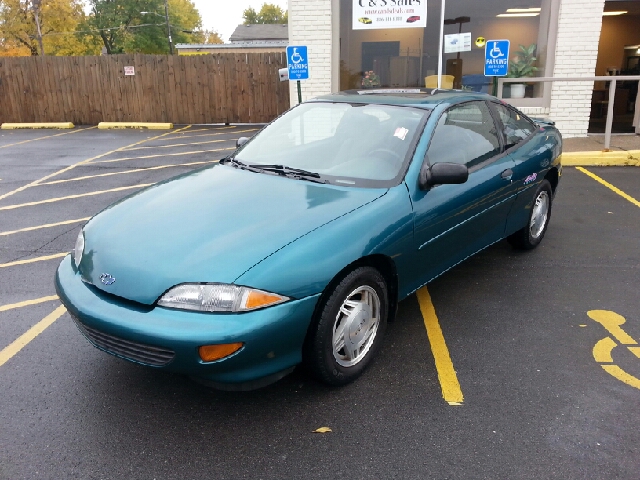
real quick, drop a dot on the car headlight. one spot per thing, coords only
(79, 249)
(218, 297)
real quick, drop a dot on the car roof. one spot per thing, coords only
(419, 97)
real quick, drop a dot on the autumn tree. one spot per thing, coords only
(207, 37)
(268, 13)
(122, 27)
(36, 27)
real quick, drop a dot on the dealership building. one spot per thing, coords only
(356, 44)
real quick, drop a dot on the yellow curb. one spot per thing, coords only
(147, 125)
(16, 126)
(601, 159)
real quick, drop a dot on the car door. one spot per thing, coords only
(532, 155)
(452, 222)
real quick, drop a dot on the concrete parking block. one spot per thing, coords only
(142, 125)
(18, 126)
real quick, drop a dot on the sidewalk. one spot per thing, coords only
(587, 151)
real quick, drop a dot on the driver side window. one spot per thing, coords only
(465, 134)
(516, 127)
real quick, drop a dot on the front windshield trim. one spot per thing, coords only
(348, 181)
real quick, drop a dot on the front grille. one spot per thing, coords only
(134, 351)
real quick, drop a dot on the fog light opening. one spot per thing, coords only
(210, 353)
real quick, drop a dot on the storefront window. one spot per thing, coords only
(394, 43)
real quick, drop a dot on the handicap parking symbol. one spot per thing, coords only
(298, 62)
(496, 58)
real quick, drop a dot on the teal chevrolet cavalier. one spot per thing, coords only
(298, 247)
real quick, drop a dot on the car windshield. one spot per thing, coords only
(346, 144)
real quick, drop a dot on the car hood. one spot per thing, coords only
(211, 225)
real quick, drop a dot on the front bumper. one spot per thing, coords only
(169, 339)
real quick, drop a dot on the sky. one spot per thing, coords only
(224, 15)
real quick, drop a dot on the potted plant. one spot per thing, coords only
(370, 79)
(522, 67)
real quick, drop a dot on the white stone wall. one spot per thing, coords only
(579, 25)
(310, 25)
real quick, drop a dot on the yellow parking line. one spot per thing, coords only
(48, 225)
(69, 197)
(26, 303)
(23, 340)
(175, 145)
(135, 170)
(47, 136)
(83, 162)
(33, 260)
(209, 129)
(609, 186)
(206, 134)
(165, 155)
(451, 390)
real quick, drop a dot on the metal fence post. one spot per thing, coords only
(607, 131)
(636, 115)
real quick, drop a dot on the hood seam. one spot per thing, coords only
(305, 234)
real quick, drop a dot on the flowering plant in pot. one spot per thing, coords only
(523, 66)
(370, 79)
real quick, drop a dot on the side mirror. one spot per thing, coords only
(443, 173)
(241, 141)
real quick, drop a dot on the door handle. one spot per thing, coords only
(507, 174)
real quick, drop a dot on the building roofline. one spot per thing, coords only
(223, 46)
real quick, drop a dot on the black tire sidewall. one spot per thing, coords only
(320, 357)
(533, 242)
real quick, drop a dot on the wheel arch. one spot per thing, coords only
(553, 177)
(387, 268)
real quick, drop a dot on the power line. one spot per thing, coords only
(106, 29)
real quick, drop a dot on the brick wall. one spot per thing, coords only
(310, 24)
(579, 25)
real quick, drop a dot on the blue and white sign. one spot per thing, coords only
(496, 58)
(298, 63)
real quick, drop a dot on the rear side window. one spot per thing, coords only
(516, 127)
(465, 134)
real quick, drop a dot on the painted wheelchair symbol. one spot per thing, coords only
(495, 52)
(295, 56)
(612, 321)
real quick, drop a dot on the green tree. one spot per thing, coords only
(121, 26)
(34, 27)
(268, 13)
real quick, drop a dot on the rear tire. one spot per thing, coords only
(530, 236)
(349, 328)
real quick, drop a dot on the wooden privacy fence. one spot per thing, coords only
(223, 88)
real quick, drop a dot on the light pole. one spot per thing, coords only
(458, 64)
(166, 16)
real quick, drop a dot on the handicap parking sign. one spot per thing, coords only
(298, 62)
(496, 58)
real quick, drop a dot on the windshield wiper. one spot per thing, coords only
(238, 164)
(286, 170)
(279, 169)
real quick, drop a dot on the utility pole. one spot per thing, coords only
(36, 4)
(166, 15)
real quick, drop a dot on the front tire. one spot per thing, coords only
(530, 236)
(349, 328)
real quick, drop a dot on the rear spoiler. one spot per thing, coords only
(543, 121)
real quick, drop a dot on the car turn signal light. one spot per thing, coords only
(258, 299)
(210, 353)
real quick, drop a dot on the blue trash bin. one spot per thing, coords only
(477, 82)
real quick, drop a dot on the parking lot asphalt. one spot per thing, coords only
(541, 396)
